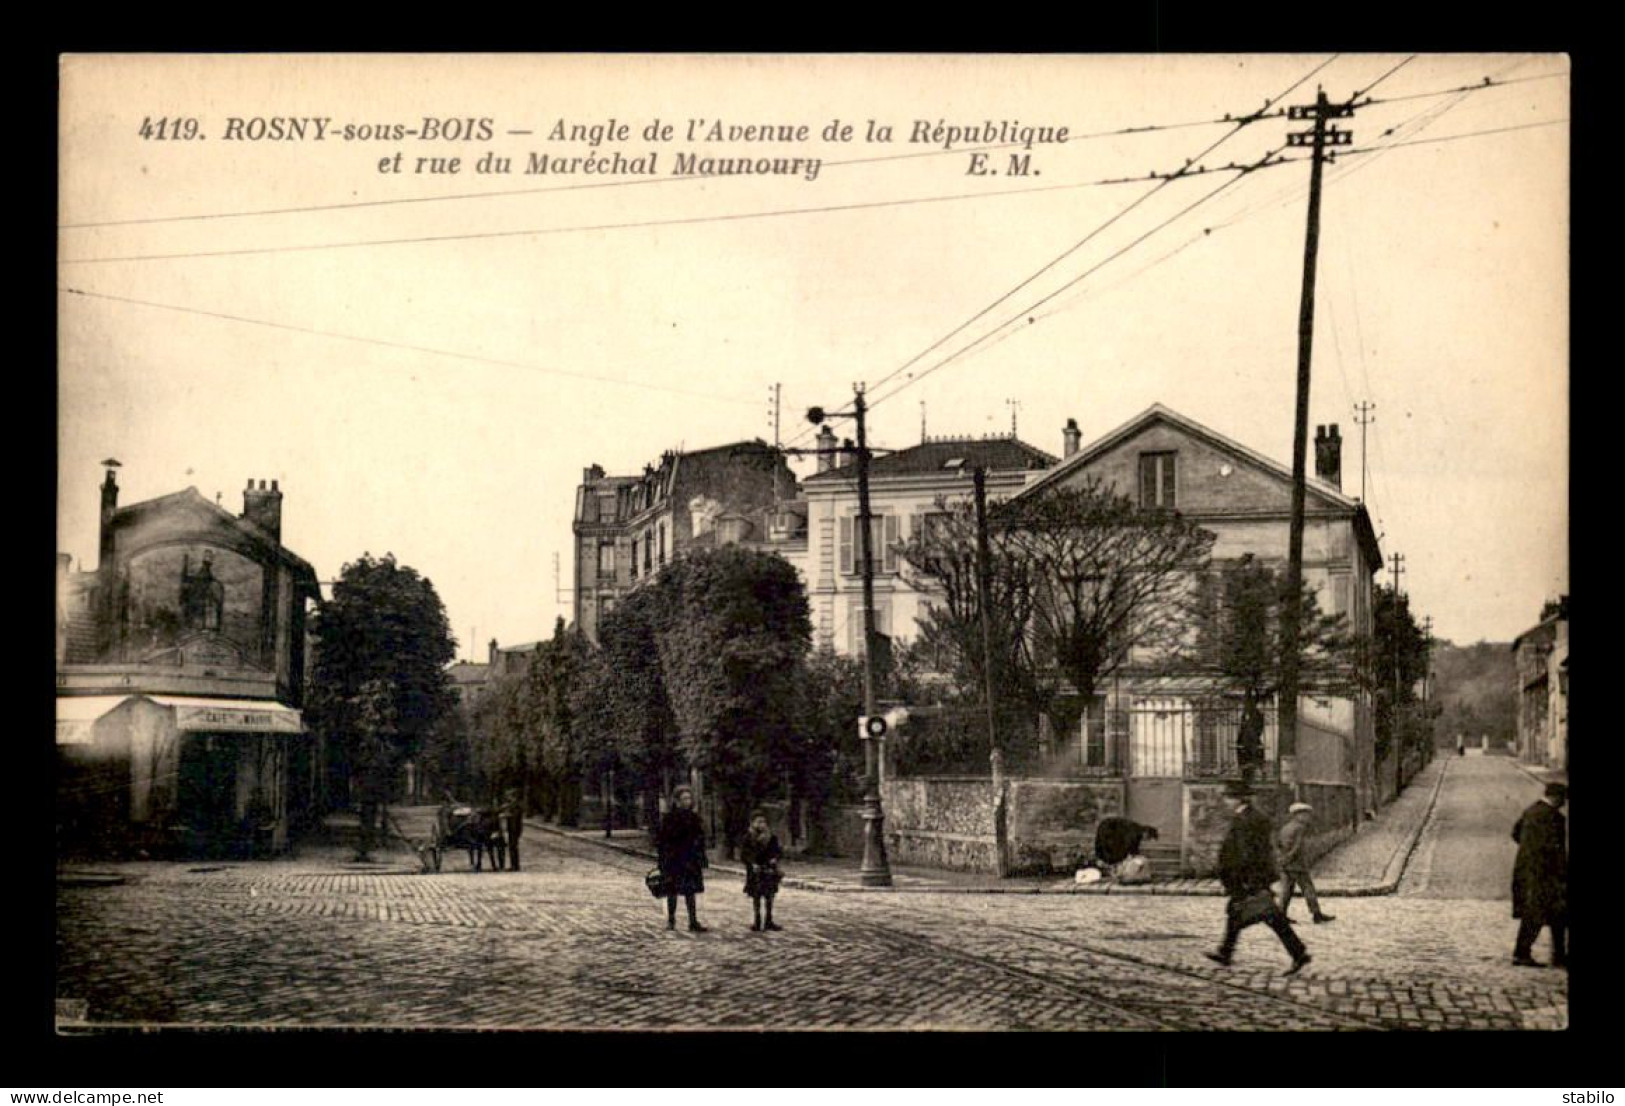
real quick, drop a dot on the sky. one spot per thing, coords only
(427, 360)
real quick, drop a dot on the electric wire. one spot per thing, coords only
(1240, 124)
(917, 377)
(406, 346)
(507, 193)
(1152, 128)
(643, 223)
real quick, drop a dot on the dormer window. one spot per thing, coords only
(1157, 481)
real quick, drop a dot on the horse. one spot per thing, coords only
(480, 832)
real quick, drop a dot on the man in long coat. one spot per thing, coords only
(512, 813)
(1540, 877)
(1247, 868)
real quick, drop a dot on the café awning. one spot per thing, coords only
(231, 715)
(76, 714)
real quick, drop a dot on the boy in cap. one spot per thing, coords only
(1294, 865)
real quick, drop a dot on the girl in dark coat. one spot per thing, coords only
(760, 853)
(681, 844)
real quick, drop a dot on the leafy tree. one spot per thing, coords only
(626, 719)
(1470, 686)
(1239, 638)
(827, 765)
(732, 633)
(376, 756)
(557, 672)
(507, 740)
(448, 754)
(384, 623)
(1398, 661)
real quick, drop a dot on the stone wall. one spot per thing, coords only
(1207, 819)
(1335, 819)
(1052, 823)
(940, 822)
(1323, 754)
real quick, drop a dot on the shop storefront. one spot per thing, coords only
(174, 773)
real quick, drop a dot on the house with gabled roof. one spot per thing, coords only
(1161, 733)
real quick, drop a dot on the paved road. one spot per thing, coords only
(575, 941)
(1466, 849)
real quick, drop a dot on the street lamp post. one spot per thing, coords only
(875, 871)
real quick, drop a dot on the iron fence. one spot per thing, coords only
(1153, 738)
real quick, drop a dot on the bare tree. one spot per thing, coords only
(1112, 577)
(1078, 577)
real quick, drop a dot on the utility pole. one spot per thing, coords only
(984, 600)
(1292, 612)
(875, 870)
(1363, 416)
(1398, 562)
(1427, 669)
(777, 449)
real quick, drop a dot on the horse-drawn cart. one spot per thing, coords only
(456, 826)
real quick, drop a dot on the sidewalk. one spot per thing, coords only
(1370, 863)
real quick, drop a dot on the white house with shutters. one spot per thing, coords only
(905, 489)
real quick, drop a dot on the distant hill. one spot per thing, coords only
(1474, 684)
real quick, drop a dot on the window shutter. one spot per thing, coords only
(1148, 480)
(890, 561)
(846, 546)
(1167, 481)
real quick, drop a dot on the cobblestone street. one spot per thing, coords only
(575, 941)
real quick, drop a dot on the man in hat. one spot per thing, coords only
(1247, 869)
(512, 813)
(1294, 865)
(1540, 877)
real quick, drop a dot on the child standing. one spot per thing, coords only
(760, 853)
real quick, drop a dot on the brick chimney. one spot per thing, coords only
(263, 507)
(1329, 455)
(826, 449)
(592, 473)
(109, 509)
(1070, 437)
(491, 655)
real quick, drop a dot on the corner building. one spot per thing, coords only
(181, 669)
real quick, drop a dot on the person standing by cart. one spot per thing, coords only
(513, 824)
(760, 852)
(680, 842)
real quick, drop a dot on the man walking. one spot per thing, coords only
(1540, 877)
(1295, 866)
(1247, 868)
